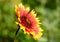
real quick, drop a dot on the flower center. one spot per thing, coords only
(25, 22)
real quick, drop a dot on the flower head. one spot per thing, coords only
(28, 22)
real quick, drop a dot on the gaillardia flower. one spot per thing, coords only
(28, 22)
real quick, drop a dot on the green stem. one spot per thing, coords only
(16, 33)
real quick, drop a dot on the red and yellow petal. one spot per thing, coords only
(28, 21)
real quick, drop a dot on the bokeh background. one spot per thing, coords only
(47, 11)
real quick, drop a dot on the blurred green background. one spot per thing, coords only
(47, 11)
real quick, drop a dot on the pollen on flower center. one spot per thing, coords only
(25, 22)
